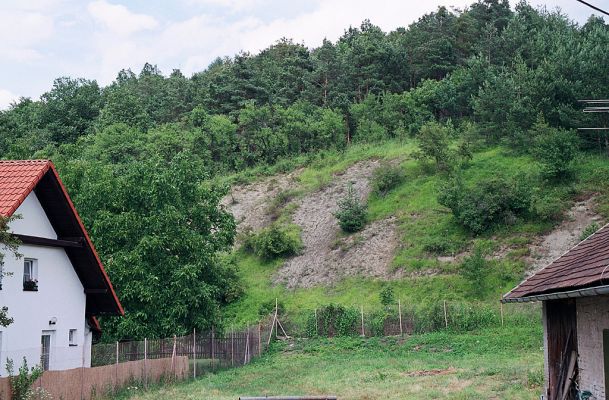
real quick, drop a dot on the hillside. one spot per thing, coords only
(410, 242)
(458, 131)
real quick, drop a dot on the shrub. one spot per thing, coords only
(590, 229)
(334, 320)
(351, 212)
(268, 307)
(434, 142)
(385, 178)
(22, 382)
(491, 201)
(555, 149)
(474, 269)
(387, 296)
(275, 241)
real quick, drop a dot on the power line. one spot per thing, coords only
(593, 7)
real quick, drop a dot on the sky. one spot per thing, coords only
(94, 39)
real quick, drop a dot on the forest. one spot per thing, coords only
(145, 158)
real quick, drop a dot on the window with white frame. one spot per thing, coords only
(30, 274)
(72, 337)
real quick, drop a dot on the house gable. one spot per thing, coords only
(32, 220)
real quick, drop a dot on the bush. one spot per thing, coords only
(474, 269)
(555, 149)
(22, 382)
(334, 320)
(275, 241)
(491, 201)
(351, 212)
(434, 142)
(387, 296)
(590, 229)
(385, 178)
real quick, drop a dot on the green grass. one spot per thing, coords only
(427, 230)
(502, 363)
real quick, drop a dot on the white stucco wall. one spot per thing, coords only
(60, 295)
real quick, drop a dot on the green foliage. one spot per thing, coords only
(475, 269)
(387, 296)
(492, 201)
(434, 145)
(21, 384)
(351, 212)
(275, 241)
(334, 320)
(385, 178)
(554, 148)
(589, 230)
(161, 232)
(9, 244)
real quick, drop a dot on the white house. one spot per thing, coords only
(58, 286)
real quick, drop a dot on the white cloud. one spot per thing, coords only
(118, 19)
(6, 98)
(233, 5)
(22, 33)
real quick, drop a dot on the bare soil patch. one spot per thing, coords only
(432, 372)
(249, 203)
(328, 256)
(566, 235)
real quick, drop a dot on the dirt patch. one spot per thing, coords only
(432, 372)
(328, 257)
(250, 203)
(563, 237)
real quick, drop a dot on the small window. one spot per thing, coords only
(72, 337)
(30, 275)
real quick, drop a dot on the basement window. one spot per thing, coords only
(30, 275)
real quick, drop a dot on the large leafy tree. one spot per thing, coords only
(160, 231)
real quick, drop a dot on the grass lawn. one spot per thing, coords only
(501, 363)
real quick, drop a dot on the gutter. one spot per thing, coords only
(571, 294)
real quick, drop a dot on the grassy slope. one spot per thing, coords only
(487, 364)
(422, 221)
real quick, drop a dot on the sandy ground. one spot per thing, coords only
(566, 235)
(249, 203)
(328, 256)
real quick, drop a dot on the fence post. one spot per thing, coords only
(145, 359)
(247, 346)
(173, 357)
(400, 313)
(501, 310)
(116, 369)
(363, 331)
(213, 350)
(232, 346)
(445, 316)
(259, 340)
(316, 326)
(194, 352)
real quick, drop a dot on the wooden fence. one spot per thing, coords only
(98, 382)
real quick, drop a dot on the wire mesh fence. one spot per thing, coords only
(399, 319)
(205, 351)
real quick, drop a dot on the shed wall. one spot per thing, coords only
(592, 319)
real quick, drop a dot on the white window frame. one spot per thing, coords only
(30, 270)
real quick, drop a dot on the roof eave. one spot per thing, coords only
(568, 294)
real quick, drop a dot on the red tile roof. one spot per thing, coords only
(17, 180)
(585, 265)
